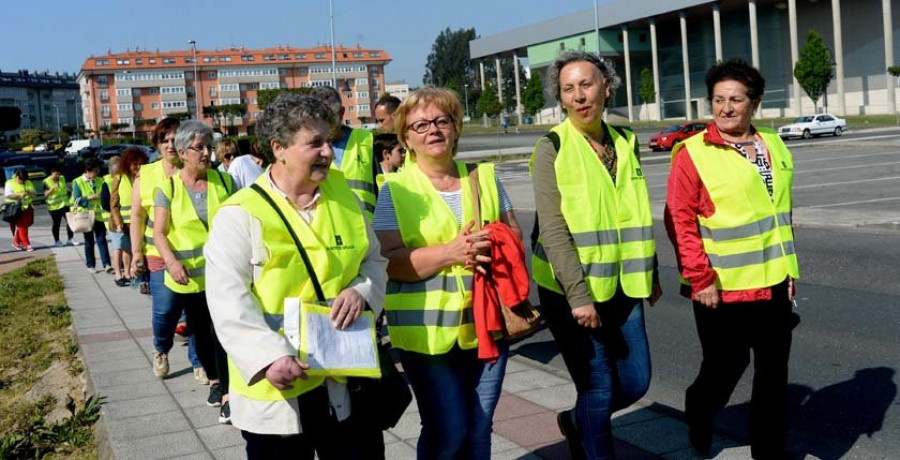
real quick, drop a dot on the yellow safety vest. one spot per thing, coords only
(152, 175)
(22, 188)
(336, 242)
(430, 316)
(93, 187)
(749, 240)
(107, 179)
(357, 165)
(60, 197)
(611, 222)
(125, 189)
(187, 234)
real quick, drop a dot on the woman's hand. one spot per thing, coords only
(347, 307)
(655, 294)
(178, 272)
(586, 316)
(285, 370)
(138, 262)
(93, 197)
(709, 296)
(471, 248)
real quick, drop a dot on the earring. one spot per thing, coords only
(283, 161)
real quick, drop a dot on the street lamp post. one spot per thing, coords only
(333, 52)
(196, 76)
(56, 106)
(466, 91)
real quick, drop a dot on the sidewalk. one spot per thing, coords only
(144, 417)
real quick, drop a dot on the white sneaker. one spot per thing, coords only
(72, 242)
(200, 376)
(160, 364)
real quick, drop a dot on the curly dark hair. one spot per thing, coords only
(130, 157)
(737, 70)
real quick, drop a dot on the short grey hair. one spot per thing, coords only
(190, 130)
(606, 68)
(287, 115)
(329, 96)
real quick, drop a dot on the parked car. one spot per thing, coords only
(814, 126)
(674, 134)
(76, 145)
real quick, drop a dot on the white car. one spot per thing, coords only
(814, 125)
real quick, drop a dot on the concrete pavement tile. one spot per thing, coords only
(511, 406)
(203, 416)
(131, 376)
(163, 446)
(132, 391)
(514, 365)
(399, 451)
(181, 378)
(231, 453)
(500, 444)
(148, 425)
(408, 427)
(413, 407)
(556, 398)
(95, 330)
(118, 365)
(530, 380)
(125, 349)
(530, 430)
(659, 435)
(83, 320)
(220, 436)
(115, 411)
(388, 437)
(194, 397)
(197, 456)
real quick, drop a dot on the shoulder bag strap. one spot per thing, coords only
(309, 268)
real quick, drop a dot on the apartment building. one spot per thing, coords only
(150, 85)
(47, 100)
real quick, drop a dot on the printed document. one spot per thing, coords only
(338, 352)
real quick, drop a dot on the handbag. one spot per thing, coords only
(378, 401)
(81, 220)
(518, 320)
(10, 211)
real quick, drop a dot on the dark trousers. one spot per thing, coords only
(58, 215)
(96, 236)
(727, 335)
(209, 349)
(353, 438)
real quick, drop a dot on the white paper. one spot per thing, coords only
(292, 321)
(332, 348)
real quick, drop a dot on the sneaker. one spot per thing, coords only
(181, 332)
(200, 376)
(72, 242)
(160, 364)
(58, 244)
(123, 282)
(567, 427)
(29, 248)
(225, 414)
(92, 270)
(108, 269)
(216, 392)
(17, 247)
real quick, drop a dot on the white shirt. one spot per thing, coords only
(235, 255)
(244, 171)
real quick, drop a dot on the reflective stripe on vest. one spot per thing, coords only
(187, 233)
(748, 240)
(93, 187)
(430, 316)
(357, 165)
(152, 175)
(60, 197)
(125, 189)
(18, 188)
(338, 218)
(610, 222)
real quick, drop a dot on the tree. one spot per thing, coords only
(35, 136)
(448, 63)
(264, 97)
(533, 95)
(10, 118)
(647, 91)
(813, 69)
(212, 111)
(488, 103)
(181, 115)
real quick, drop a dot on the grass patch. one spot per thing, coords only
(34, 321)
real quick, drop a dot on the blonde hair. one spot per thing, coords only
(227, 145)
(446, 100)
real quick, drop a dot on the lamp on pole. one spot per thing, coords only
(597, 24)
(466, 92)
(56, 106)
(333, 52)
(196, 92)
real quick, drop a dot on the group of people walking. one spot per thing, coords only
(401, 234)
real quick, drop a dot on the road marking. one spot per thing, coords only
(841, 168)
(875, 200)
(827, 184)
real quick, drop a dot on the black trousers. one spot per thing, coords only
(728, 334)
(57, 216)
(351, 439)
(209, 350)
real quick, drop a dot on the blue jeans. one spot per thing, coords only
(166, 313)
(98, 236)
(456, 393)
(610, 365)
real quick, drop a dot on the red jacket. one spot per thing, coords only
(686, 199)
(507, 281)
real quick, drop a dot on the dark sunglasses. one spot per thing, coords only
(228, 156)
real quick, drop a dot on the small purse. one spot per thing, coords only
(518, 320)
(10, 211)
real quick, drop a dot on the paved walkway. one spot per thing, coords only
(145, 417)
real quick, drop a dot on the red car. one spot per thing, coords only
(674, 134)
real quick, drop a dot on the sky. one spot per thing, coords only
(59, 35)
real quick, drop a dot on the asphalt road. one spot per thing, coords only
(846, 352)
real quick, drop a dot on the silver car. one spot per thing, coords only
(814, 126)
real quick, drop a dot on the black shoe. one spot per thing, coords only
(225, 414)
(570, 431)
(215, 395)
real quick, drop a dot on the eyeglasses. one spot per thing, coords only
(421, 126)
(201, 149)
(228, 156)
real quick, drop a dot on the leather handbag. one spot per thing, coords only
(10, 211)
(518, 320)
(81, 220)
(378, 401)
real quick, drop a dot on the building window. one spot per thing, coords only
(269, 85)
(284, 57)
(135, 92)
(301, 56)
(364, 107)
(581, 42)
(362, 95)
(126, 121)
(351, 109)
(362, 82)
(374, 54)
(123, 61)
(358, 55)
(154, 105)
(168, 60)
(209, 59)
(562, 46)
(101, 62)
(192, 106)
(246, 57)
(303, 71)
(138, 61)
(124, 107)
(374, 71)
(123, 92)
(282, 72)
(106, 123)
(138, 106)
(253, 101)
(319, 56)
(224, 58)
(154, 90)
(174, 104)
(172, 89)
(101, 80)
(212, 91)
(104, 95)
(104, 110)
(229, 87)
(268, 57)
(152, 61)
